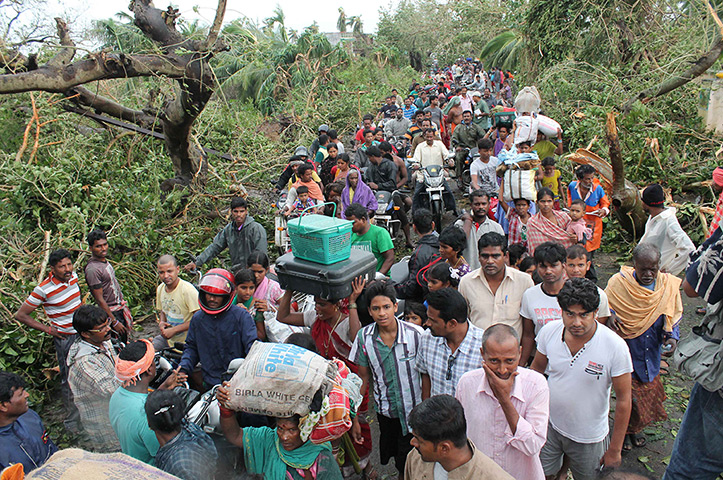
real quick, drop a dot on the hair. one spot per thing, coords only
(443, 272)
(257, 257)
(418, 113)
(517, 251)
(485, 144)
(428, 130)
(549, 253)
(478, 194)
(239, 202)
(323, 138)
(336, 187)
(583, 170)
(378, 130)
(367, 131)
(422, 219)
(381, 288)
(499, 332)
(454, 237)
(646, 250)
(450, 303)
(303, 168)
(244, 276)
(344, 157)
(373, 151)
(303, 340)
(492, 239)
(526, 263)
(368, 116)
(428, 120)
(385, 146)
(544, 192)
(87, 317)
(133, 351)
(94, 236)
(577, 251)
(526, 143)
(332, 145)
(332, 133)
(416, 308)
(580, 203)
(166, 259)
(356, 210)
(58, 255)
(9, 382)
(302, 189)
(164, 411)
(579, 291)
(548, 162)
(440, 418)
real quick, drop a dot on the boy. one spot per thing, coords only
(550, 178)
(245, 289)
(577, 266)
(578, 226)
(302, 203)
(516, 219)
(386, 353)
(482, 170)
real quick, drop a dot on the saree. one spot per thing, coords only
(541, 230)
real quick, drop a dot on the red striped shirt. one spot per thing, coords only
(59, 300)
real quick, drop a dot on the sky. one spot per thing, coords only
(299, 13)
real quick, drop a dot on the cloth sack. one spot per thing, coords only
(526, 130)
(700, 354)
(74, 463)
(547, 126)
(528, 100)
(280, 380)
(519, 184)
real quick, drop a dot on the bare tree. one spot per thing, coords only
(185, 60)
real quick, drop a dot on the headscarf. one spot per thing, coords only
(718, 176)
(639, 307)
(128, 371)
(362, 195)
(718, 180)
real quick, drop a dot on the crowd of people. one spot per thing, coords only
(499, 365)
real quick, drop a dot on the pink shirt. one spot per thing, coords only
(518, 453)
(580, 228)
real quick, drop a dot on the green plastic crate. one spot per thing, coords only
(320, 239)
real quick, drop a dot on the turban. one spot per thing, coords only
(128, 371)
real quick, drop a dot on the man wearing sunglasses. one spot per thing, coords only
(91, 375)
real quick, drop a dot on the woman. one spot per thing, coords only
(452, 241)
(305, 177)
(548, 224)
(333, 195)
(356, 191)
(334, 331)
(267, 295)
(343, 167)
(328, 164)
(279, 453)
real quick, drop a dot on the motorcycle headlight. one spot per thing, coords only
(436, 181)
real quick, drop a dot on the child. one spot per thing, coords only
(577, 266)
(528, 266)
(267, 294)
(516, 218)
(441, 275)
(524, 147)
(302, 202)
(482, 170)
(550, 178)
(386, 352)
(245, 288)
(578, 226)
(415, 312)
(516, 252)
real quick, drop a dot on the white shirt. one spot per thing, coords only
(540, 307)
(580, 384)
(485, 173)
(435, 154)
(663, 231)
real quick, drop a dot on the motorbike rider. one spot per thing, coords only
(431, 152)
(398, 126)
(301, 154)
(464, 138)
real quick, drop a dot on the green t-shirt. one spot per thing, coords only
(544, 149)
(128, 418)
(376, 240)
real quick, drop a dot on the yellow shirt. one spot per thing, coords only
(179, 305)
(552, 182)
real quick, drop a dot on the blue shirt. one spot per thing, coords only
(409, 112)
(215, 340)
(190, 455)
(25, 441)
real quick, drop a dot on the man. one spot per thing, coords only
(663, 230)
(301, 156)
(388, 109)
(91, 375)
(539, 303)
(697, 452)
(382, 172)
(176, 302)
(361, 159)
(476, 225)
(324, 128)
(482, 116)
(502, 390)
(489, 99)
(322, 153)
(494, 291)
(454, 346)
(219, 332)
(577, 266)
(397, 98)
(426, 125)
(648, 307)
(423, 101)
(441, 446)
(59, 296)
(370, 238)
(367, 124)
(416, 129)
(103, 284)
(398, 126)
(431, 152)
(465, 99)
(135, 369)
(465, 138)
(433, 108)
(409, 109)
(583, 359)
(241, 236)
(402, 201)
(427, 247)
(23, 438)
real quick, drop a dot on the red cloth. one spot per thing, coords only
(540, 230)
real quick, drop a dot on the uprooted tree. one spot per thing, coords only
(183, 59)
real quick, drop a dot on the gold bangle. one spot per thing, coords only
(352, 305)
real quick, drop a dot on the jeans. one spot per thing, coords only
(62, 346)
(698, 449)
(419, 197)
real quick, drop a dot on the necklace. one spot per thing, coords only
(331, 332)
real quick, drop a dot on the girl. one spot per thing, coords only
(441, 275)
(266, 296)
(343, 167)
(452, 241)
(245, 288)
(415, 312)
(328, 164)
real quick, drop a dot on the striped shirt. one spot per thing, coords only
(396, 381)
(59, 300)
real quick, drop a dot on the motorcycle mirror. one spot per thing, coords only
(234, 365)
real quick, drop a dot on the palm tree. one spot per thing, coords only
(356, 24)
(341, 22)
(505, 50)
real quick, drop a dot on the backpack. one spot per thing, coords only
(700, 354)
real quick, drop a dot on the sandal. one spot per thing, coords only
(700, 311)
(638, 440)
(664, 368)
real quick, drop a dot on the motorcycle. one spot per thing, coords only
(281, 232)
(433, 192)
(464, 177)
(384, 216)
